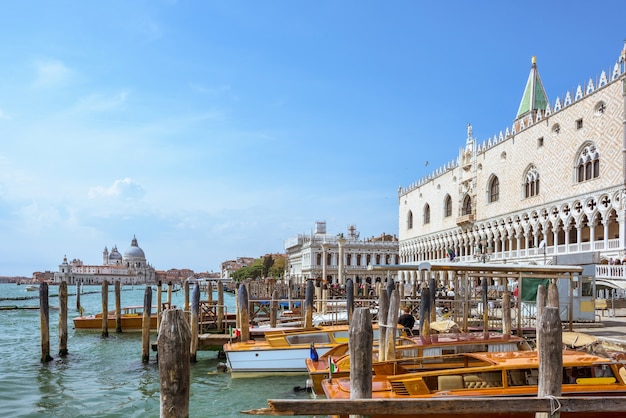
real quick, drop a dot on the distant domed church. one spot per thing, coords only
(130, 268)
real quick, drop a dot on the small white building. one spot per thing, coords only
(336, 258)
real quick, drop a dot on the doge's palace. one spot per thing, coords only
(553, 183)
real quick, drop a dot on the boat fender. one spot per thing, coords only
(222, 367)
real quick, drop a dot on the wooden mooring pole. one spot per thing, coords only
(549, 347)
(145, 325)
(392, 320)
(361, 338)
(383, 310)
(195, 313)
(173, 350)
(63, 319)
(44, 322)
(105, 308)
(349, 299)
(309, 295)
(243, 315)
(118, 306)
(220, 307)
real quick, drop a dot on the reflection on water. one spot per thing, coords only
(105, 377)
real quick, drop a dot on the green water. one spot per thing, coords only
(105, 377)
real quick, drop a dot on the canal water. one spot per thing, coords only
(105, 377)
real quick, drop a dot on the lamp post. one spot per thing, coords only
(482, 252)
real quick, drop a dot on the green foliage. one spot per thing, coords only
(260, 268)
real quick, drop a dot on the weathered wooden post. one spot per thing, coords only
(308, 304)
(78, 298)
(383, 311)
(349, 299)
(325, 294)
(274, 308)
(506, 313)
(242, 314)
(485, 300)
(195, 312)
(44, 322)
(186, 300)
(105, 308)
(432, 288)
(542, 298)
(145, 325)
(169, 294)
(118, 306)
(173, 345)
(425, 312)
(361, 340)
(220, 307)
(392, 320)
(550, 349)
(159, 302)
(63, 319)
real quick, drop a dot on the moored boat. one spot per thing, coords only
(505, 374)
(283, 352)
(131, 317)
(415, 353)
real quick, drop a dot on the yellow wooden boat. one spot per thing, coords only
(508, 374)
(131, 316)
(414, 353)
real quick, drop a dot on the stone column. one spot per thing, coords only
(341, 241)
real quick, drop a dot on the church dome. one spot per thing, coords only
(115, 255)
(134, 251)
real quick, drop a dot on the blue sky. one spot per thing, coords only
(212, 130)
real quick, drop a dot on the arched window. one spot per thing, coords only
(447, 206)
(467, 206)
(426, 214)
(409, 220)
(494, 189)
(532, 182)
(588, 164)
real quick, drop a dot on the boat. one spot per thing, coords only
(131, 316)
(284, 351)
(411, 352)
(31, 288)
(504, 374)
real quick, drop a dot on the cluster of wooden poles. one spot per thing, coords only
(361, 404)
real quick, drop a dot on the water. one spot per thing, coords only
(105, 377)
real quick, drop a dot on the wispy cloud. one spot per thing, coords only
(125, 189)
(4, 115)
(51, 73)
(100, 103)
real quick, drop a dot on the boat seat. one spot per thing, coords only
(450, 382)
(475, 382)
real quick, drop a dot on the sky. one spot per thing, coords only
(212, 130)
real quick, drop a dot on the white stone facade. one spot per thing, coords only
(553, 183)
(336, 258)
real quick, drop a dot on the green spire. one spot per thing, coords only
(535, 97)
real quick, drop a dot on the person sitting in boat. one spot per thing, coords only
(407, 321)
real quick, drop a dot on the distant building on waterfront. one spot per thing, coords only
(336, 258)
(129, 268)
(550, 188)
(230, 266)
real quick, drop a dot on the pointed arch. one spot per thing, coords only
(426, 214)
(409, 220)
(531, 182)
(467, 205)
(447, 206)
(493, 192)
(587, 162)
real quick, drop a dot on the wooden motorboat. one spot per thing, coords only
(505, 374)
(131, 316)
(284, 352)
(414, 353)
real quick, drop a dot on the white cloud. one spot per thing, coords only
(96, 102)
(50, 73)
(125, 189)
